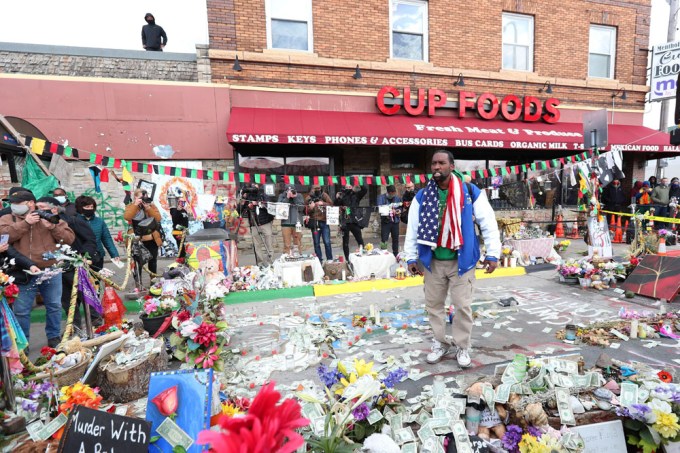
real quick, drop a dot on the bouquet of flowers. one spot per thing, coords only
(32, 395)
(198, 341)
(541, 440)
(562, 245)
(356, 399)
(654, 419)
(154, 307)
(570, 268)
(209, 217)
(664, 233)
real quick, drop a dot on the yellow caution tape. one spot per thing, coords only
(646, 216)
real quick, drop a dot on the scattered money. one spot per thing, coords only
(619, 334)
(374, 416)
(53, 426)
(547, 330)
(173, 434)
(502, 395)
(461, 437)
(404, 435)
(629, 394)
(487, 334)
(35, 431)
(564, 406)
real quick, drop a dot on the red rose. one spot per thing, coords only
(47, 352)
(167, 401)
(11, 292)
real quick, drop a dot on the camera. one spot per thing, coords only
(147, 200)
(49, 216)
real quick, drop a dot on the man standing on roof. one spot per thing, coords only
(153, 36)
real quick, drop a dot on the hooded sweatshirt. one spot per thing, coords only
(153, 36)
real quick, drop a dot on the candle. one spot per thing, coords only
(634, 328)
(371, 311)
(377, 316)
(344, 276)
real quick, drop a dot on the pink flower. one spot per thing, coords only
(205, 334)
(207, 359)
(267, 428)
(150, 306)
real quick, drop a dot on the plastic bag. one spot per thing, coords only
(114, 310)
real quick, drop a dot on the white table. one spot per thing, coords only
(378, 265)
(290, 272)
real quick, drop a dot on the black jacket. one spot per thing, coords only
(69, 209)
(614, 196)
(86, 241)
(674, 192)
(153, 36)
(180, 218)
(21, 262)
(261, 218)
(350, 199)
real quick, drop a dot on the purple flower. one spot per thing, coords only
(534, 431)
(328, 376)
(29, 406)
(511, 438)
(361, 412)
(394, 377)
(623, 412)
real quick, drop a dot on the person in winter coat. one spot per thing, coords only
(153, 36)
(60, 195)
(349, 199)
(389, 224)
(291, 228)
(317, 201)
(86, 208)
(613, 197)
(141, 208)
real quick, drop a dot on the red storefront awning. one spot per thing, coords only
(278, 126)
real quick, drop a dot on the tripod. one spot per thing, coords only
(251, 220)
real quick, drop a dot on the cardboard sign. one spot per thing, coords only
(603, 437)
(598, 231)
(93, 431)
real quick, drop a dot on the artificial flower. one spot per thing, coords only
(665, 376)
(230, 409)
(666, 424)
(188, 329)
(205, 334)
(361, 412)
(328, 376)
(660, 405)
(394, 376)
(268, 427)
(362, 368)
(79, 394)
(11, 292)
(207, 359)
(167, 401)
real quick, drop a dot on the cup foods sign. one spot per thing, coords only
(487, 105)
(665, 69)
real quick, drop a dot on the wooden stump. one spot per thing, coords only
(125, 383)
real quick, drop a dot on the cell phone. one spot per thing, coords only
(4, 239)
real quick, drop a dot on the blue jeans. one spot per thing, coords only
(50, 291)
(322, 232)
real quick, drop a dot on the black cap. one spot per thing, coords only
(51, 200)
(21, 196)
(391, 189)
(13, 190)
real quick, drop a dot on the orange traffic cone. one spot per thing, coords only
(618, 236)
(574, 231)
(559, 228)
(612, 224)
(662, 247)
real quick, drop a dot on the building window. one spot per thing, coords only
(408, 19)
(518, 42)
(602, 52)
(289, 24)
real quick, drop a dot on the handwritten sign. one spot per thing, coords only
(93, 431)
(333, 215)
(599, 238)
(603, 437)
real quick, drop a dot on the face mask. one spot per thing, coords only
(88, 212)
(149, 21)
(317, 192)
(19, 209)
(61, 199)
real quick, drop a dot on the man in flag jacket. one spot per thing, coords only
(441, 237)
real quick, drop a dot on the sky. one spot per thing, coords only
(94, 23)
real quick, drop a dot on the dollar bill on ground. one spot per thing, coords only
(564, 406)
(440, 412)
(53, 426)
(35, 431)
(566, 366)
(629, 394)
(488, 395)
(458, 404)
(173, 434)
(404, 435)
(396, 423)
(461, 437)
(425, 433)
(311, 410)
(374, 416)
(409, 448)
(502, 393)
(581, 380)
(318, 425)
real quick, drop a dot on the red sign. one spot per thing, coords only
(487, 105)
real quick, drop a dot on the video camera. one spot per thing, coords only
(49, 216)
(250, 193)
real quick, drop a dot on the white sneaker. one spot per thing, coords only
(439, 350)
(463, 357)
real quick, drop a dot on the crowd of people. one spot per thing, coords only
(30, 231)
(659, 197)
(309, 211)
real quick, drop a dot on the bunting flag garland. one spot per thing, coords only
(39, 146)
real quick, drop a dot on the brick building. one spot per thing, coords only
(308, 74)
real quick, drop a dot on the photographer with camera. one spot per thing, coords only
(291, 228)
(349, 199)
(253, 207)
(34, 233)
(315, 208)
(389, 224)
(85, 244)
(146, 223)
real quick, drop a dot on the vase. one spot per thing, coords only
(152, 324)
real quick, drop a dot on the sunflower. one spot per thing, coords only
(666, 424)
